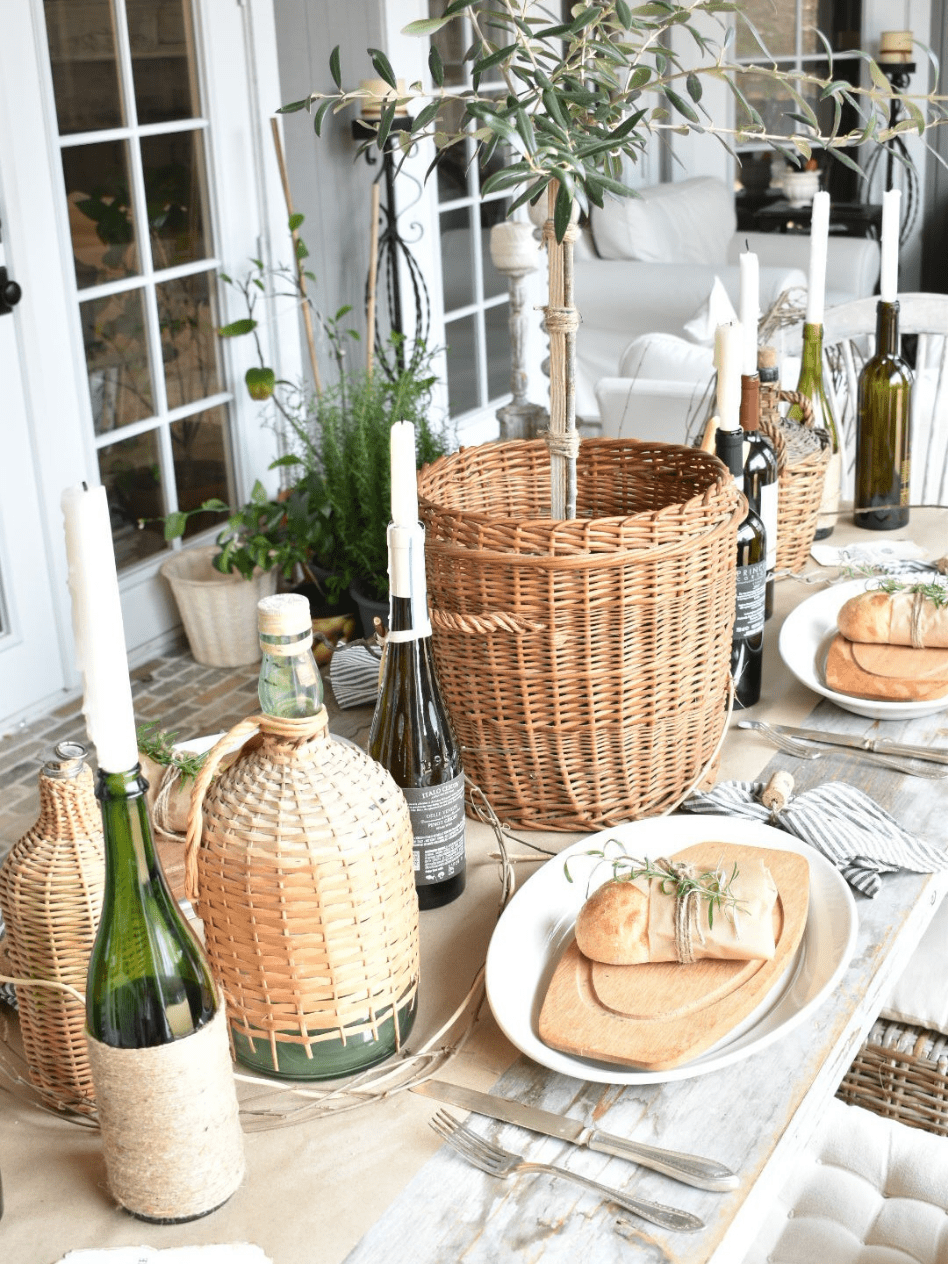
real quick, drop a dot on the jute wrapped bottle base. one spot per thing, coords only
(170, 1130)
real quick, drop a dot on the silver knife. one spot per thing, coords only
(879, 745)
(688, 1168)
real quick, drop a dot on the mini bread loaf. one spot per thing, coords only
(899, 618)
(628, 922)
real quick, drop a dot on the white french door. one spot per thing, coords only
(136, 162)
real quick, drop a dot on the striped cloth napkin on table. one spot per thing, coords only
(861, 839)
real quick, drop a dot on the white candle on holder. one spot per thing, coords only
(889, 271)
(819, 237)
(404, 475)
(727, 360)
(749, 303)
(98, 628)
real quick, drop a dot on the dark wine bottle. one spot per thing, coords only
(747, 646)
(883, 430)
(411, 734)
(760, 477)
(811, 385)
(149, 982)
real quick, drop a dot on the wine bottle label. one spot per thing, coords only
(437, 826)
(768, 516)
(751, 599)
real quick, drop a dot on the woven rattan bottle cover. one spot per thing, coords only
(51, 888)
(303, 878)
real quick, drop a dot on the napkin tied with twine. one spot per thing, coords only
(856, 835)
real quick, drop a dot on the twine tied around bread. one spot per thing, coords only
(916, 620)
(687, 899)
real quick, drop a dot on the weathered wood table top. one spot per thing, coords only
(375, 1183)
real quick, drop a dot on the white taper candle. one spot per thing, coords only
(889, 273)
(727, 360)
(404, 475)
(819, 237)
(749, 310)
(98, 628)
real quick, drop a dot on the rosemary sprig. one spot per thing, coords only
(712, 885)
(936, 593)
(159, 746)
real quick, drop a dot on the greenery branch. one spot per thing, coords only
(712, 885)
(158, 745)
(575, 99)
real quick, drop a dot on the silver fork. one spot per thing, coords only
(496, 1161)
(803, 749)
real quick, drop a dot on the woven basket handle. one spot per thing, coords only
(803, 402)
(482, 624)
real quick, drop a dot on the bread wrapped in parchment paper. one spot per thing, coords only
(631, 921)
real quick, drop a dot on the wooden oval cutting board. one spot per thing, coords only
(658, 1016)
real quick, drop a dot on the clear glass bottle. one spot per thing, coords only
(760, 477)
(747, 648)
(290, 687)
(811, 385)
(411, 735)
(149, 982)
(883, 430)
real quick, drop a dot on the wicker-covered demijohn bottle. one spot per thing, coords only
(51, 887)
(299, 861)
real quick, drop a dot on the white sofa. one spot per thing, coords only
(648, 265)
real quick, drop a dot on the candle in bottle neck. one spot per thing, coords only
(727, 360)
(404, 475)
(889, 272)
(819, 235)
(98, 628)
(749, 311)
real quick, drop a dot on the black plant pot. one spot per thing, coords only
(369, 605)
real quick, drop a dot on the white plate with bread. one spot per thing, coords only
(536, 931)
(807, 634)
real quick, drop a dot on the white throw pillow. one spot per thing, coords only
(691, 221)
(717, 309)
(665, 358)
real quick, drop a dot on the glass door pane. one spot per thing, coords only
(132, 139)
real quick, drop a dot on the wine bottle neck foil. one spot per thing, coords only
(408, 590)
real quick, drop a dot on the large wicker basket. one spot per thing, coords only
(585, 663)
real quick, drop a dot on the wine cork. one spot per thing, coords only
(776, 794)
(170, 1129)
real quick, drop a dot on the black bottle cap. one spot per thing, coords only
(729, 446)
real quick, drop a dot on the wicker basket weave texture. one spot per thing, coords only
(306, 888)
(219, 612)
(800, 483)
(901, 1072)
(51, 887)
(585, 663)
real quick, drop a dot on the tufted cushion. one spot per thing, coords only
(868, 1191)
(691, 221)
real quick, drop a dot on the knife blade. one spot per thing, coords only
(688, 1168)
(880, 745)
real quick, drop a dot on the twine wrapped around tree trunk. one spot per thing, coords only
(562, 322)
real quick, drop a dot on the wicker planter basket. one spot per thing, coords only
(901, 1072)
(219, 612)
(585, 663)
(801, 480)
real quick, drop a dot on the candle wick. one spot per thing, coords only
(85, 485)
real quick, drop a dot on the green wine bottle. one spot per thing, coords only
(149, 982)
(883, 431)
(810, 384)
(411, 735)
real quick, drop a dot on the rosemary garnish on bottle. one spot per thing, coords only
(711, 885)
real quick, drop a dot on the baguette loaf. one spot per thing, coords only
(901, 618)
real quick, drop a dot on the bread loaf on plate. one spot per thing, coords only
(633, 921)
(879, 617)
